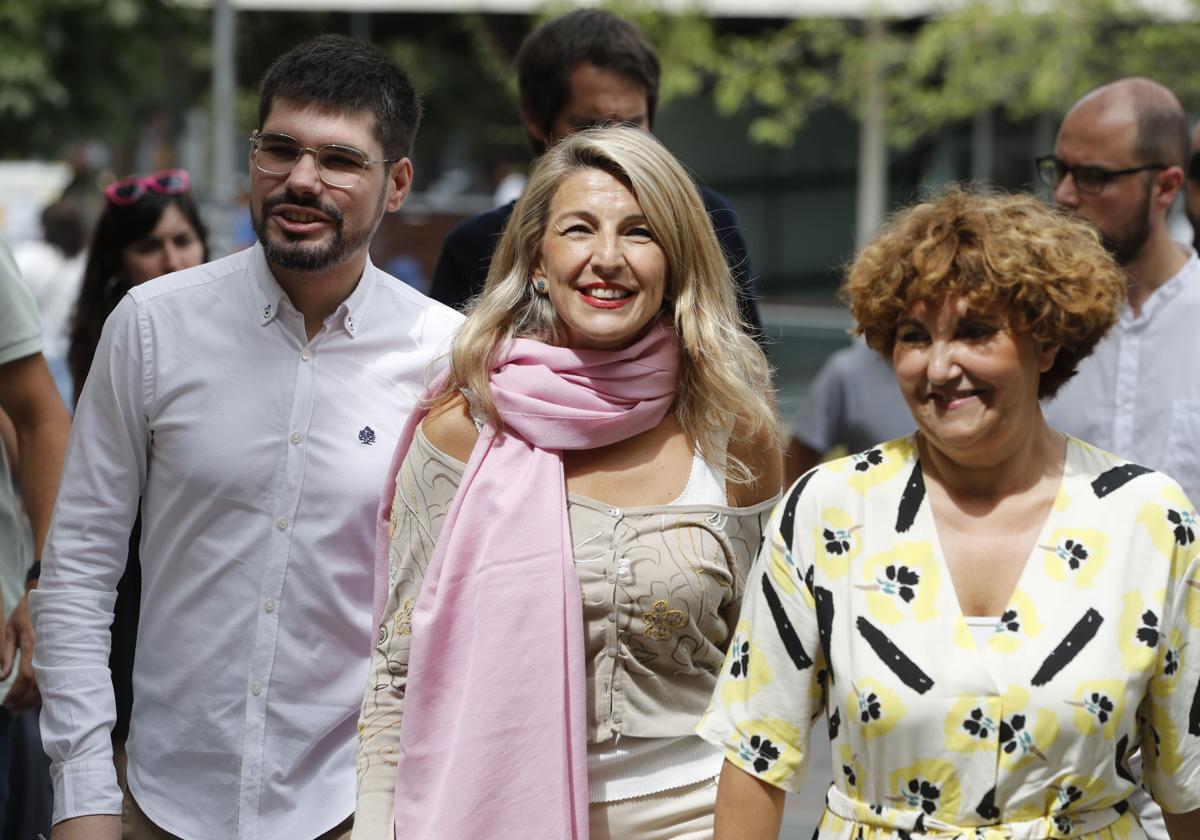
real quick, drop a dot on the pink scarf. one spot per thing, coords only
(493, 742)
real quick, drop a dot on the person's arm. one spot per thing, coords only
(8, 436)
(819, 420)
(85, 556)
(747, 807)
(1183, 826)
(760, 451)
(28, 396)
(91, 827)
(800, 459)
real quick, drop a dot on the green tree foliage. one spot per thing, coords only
(1025, 57)
(71, 69)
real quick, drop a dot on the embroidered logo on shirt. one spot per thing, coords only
(366, 436)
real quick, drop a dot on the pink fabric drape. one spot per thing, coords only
(493, 740)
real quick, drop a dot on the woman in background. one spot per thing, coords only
(149, 227)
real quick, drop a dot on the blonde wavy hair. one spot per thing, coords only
(724, 377)
(1046, 269)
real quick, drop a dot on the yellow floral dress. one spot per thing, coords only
(850, 612)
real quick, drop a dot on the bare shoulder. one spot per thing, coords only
(449, 428)
(761, 451)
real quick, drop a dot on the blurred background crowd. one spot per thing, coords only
(814, 118)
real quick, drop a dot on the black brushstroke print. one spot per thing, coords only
(897, 661)
(1116, 478)
(987, 806)
(788, 520)
(910, 502)
(824, 599)
(1122, 766)
(1194, 717)
(1121, 807)
(1076, 640)
(787, 633)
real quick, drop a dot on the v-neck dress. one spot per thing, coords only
(850, 612)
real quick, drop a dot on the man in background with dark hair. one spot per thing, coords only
(1119, 163)
(583, 69)
(252, 404)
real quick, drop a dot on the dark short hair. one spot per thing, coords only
(344, 75)
(593, 36)
(1163, 135)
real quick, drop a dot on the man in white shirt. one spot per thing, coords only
(252, 404)
(1119, 163)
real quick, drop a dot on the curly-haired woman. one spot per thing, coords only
(993, 616)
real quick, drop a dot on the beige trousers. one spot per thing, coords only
(135, 825)
(684, 813)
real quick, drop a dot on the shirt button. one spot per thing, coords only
(612, 616)
(617, 687)
(256, 688)
(296, 438)
(281, 523)
(614, 511)
(306, 354)
(617, 717)
(612, 578)
(270, 605)
(612, 653)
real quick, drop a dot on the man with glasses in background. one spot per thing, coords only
(1119, 163)
(252, 404)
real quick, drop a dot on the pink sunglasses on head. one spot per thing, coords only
(164, 182)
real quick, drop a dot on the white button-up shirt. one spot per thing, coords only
(260, 457)
(1138, 394)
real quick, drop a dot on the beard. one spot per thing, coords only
(1127, 243)
(295, 254)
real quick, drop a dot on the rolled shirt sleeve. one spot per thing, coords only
(85, 555)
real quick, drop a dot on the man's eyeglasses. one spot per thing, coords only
(164, 182)
(338, 166)
(1089, 180)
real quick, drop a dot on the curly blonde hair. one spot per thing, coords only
(1047, 270)
(724, 377)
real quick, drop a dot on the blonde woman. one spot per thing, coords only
(572, 524)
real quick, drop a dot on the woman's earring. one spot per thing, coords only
(541, 286)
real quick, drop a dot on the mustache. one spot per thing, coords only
(308, 201)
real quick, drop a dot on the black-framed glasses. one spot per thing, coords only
(338, 166)
(1089, 180)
